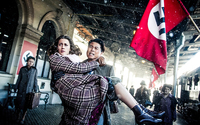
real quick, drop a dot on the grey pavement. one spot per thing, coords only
(52, 116)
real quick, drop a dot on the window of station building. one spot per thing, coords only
(8, 24)
(42, 63)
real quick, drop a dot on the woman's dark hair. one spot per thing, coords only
(166, 85)
(100, 42)
(74, 49)
(30, 57)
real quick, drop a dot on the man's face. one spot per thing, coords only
(30, 62)
(94, 51)
(167, 90)
(142, 86)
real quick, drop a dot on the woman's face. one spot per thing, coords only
(63, 47)
(94, 51)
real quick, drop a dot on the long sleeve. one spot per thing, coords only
(174, 114)
(18, 79)
(36, 88)
(174, 102)
(59, 63)
(112, 73)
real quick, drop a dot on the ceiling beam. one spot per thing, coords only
(85, 35)
(183, 61)
(192, 51)
(104, 30)
(189, 32)
(180, 62)
(197, 43)
(182, 57)
(113, 20)
(113, 39)
(130, 8)
(196, 16)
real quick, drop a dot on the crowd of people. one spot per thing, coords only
(86, 88)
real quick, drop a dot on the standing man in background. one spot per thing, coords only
(142, 94)
(132, 90)
(166, 102)
(26, 83)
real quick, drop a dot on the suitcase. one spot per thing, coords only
(33, 100)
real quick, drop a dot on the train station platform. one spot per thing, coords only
(52, 116)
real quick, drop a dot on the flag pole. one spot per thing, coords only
(197, 28)
(194, 23)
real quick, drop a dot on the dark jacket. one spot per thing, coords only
(132, 91)
(26, 82)
(142, 97)
(108, 71)
(168, 105)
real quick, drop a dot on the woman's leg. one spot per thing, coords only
(23, 117)
(125, 96)
(140, 113)
(18, 114)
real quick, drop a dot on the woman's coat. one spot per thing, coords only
(80, 92)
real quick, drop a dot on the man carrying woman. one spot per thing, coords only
(71, 80)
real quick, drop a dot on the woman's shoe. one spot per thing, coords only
(152, 113)
(22, 122)
(18, 119)
(143, 117)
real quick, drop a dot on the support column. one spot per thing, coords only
(165, 79)
(176, 61)
(114, 61)
(128, 79)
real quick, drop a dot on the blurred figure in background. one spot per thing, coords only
(156, 94)
(132, 90)
(142, 95)
(0, 55)
(166, 102)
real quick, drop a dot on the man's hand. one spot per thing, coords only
(101, 61)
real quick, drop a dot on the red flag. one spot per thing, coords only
(149, 40)
(154, 77)
(175, 12)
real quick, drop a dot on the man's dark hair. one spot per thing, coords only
(100, 42)
(166, 85)
(30, 57)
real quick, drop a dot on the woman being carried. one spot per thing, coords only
(78, 90)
